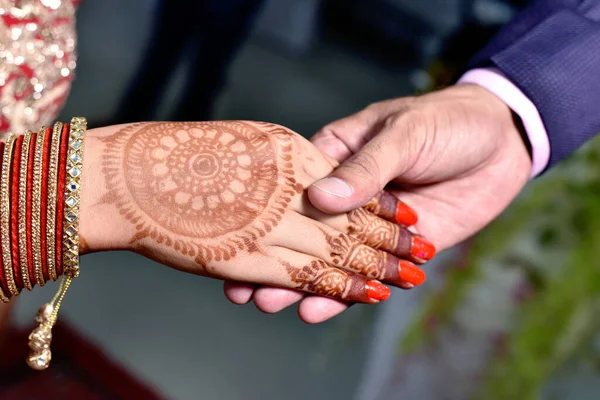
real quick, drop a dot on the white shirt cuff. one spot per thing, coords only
(496, 82)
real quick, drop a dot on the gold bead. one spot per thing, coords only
(40, 338)
(39, 360)
(44, 313)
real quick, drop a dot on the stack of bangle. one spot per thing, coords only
(39, 220)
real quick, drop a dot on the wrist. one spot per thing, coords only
(513, 143)
(529, 120)
(101, 226)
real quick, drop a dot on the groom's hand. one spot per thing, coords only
(455, 156)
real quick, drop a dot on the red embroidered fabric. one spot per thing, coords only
(37, 61)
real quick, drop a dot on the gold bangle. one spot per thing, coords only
(5, 217)
(72, 195)
(36, 210)
(3, 297)
(23, 211)
(39, 340)
(52, 199)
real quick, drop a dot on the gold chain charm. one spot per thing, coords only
(40, 338)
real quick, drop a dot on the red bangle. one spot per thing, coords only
(14, 211)
(61, 187)
(44, 203)
(29, 197)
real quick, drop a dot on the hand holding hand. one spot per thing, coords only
(455, 156)
(226, 199)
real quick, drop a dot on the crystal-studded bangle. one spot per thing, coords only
(5, 180)
(39, 340)
(36, 229)
(3, 297)
(52, 198)
(4, 291)
(23, 233)
(72, 195)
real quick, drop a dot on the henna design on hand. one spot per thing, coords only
(205, 189)
(390, 208)
(376, 232)
(347, 252)
(381, 234)
(320, 278)
(350, 253)
(84, 247)
(380, 205)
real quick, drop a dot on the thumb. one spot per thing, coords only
(342, 138)
(361, 177)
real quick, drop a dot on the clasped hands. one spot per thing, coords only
(457, 156)
(280, 221)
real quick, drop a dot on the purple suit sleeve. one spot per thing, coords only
(551, 52)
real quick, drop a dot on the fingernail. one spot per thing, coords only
(405, 215)
(377, 291)
(422, 249)
(410, 273)
(335, 187)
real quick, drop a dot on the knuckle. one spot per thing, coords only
(374, 113)
(369, 262)
(374, 107)
(364, 167)
(409, 119)
(411, 131)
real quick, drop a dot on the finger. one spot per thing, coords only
(271, 300)
(342, 138)
(341, 250)
(238, 293)
(377, 233)
(362, 176)
(285, 268)
(317, 309)
(331, 145)
(389, 207)
(313, 275)
(380, 234)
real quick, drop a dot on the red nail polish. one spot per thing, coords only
(422, 249)
(377, 291)
(405, 215)
(410, 273)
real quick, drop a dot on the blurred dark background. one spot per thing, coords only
(299, 63)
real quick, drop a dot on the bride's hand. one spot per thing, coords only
(226, 199)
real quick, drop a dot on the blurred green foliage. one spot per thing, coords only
(551, 234)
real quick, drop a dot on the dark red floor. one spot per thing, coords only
(79, 370)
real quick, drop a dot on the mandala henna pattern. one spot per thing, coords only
(208, 190)
(363, 259)
(320, 278)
